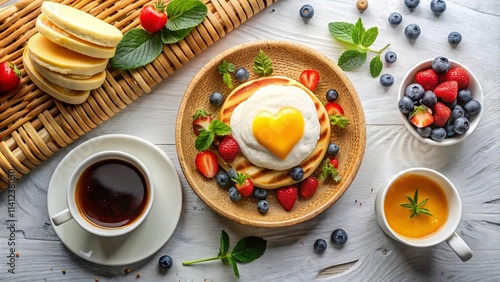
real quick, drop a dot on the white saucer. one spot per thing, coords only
(156, 229)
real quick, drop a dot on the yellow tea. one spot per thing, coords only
(420, 225)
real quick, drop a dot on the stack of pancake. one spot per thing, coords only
(68, 56)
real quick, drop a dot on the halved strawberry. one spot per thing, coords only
(287, 196)
(336, 114)
(447, 91)
(244, 184)
(308, 187)
(201, 121)
(206, 162)
(228, 148)
(421, 116)
(309, 78)
(333, 108)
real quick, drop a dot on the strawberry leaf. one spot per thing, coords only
(249, 249)
(351, 59)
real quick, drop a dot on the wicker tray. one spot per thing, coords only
(289, 59)
(33, 125)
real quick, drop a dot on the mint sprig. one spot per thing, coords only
(226, 68)
(206, 137)
(246, 250)
(262, 64)
(359, 41)
(139, 47)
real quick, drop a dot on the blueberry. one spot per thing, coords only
(395, 18)
(438, 6)
(440, 65)
(454, 37)
(306, 12)
(464, 95)
(166, 262)
(262, 206)
(234, 194)
(450, 130)
(412, 4)
(241, 74)
(260, 194)
(320, 246)
(390, 57)
(386, 80)
(429, 99)
(412, 31)
(339, 236)
(332, 95)
(461, 125)
(223, 179)
(457, 112)
(332, 149)
(414, 91)
(216, 99)
(297, 173)
(424, 131)
(472, 107)
(438, 134)
(233, 174)
(405, 105)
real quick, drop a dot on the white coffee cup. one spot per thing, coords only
(73, 211)
(446, 233)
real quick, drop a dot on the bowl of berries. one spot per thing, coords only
(440, 101)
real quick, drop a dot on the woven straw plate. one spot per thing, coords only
(289, 59)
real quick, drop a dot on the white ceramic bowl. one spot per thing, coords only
(474, 87)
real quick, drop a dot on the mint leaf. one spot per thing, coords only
(358, 32)
(204, 140)
(341, 31)
(262, 64)
(375, 66)
(249, 249)
(137, 48)
(370, 36)
(219, 128)
(232, 262)
(173, 36)
(184, 14)
(224, 243)
(351, 59)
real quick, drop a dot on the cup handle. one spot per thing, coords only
(62, 217)
(459, 246)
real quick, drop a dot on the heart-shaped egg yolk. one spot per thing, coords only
(279, 133)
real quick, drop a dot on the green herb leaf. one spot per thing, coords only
(370, 36)
(137, 48)
(204, 140)
(249, 249)
(185, 14)
(173, 36)
(341, 31)
(219, 128)
(339, 120)
(262, 64)
(375, 66)
(327, 169)
(415, 207)
(225, 68)
(224, 243)
(358, 32)
(233, 263)
(351, 59)
(228, 80)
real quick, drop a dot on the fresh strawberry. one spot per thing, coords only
(228, 149)
(421, 116)
(441, 114)
(447, 91)
(244, 184)
(329, 168)
(459, 75)
(336, 114)
(287, 196)
(201, 121)
(308, 187)
(427, 78)
(9, 76)
(310, 79)
(334, 162)
(333, 108)
(206, 162)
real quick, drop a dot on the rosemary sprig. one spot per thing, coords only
(415, 207)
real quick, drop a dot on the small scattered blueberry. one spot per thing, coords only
(259, 193)
(454, 37)
(438, 6)
(331, 95)
(412, 4)
(166, 262)
(234, 194)
(440, 65)
(262, 206)
(320, 246)
(332, 149)
(414, 91)
(222, 178)
(424, 131)
(472, 107)
(412, 31)
(464, 95)
(216, 99)
(306, 12)
(339, 236)
(438, 134)
(390, 57)
(405, 105)
(297, 173)
(395, 18)
(386, 79)
(461, 125)
(429, 99)
(241, 74)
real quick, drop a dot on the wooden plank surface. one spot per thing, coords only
(369, 255)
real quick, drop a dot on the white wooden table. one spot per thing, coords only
(369, 255)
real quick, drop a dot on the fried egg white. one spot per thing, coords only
(273, 99)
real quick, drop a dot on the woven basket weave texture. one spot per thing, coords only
(33, 125)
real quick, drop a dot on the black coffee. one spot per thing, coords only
(112, 193)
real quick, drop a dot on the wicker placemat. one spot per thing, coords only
(33, 125)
